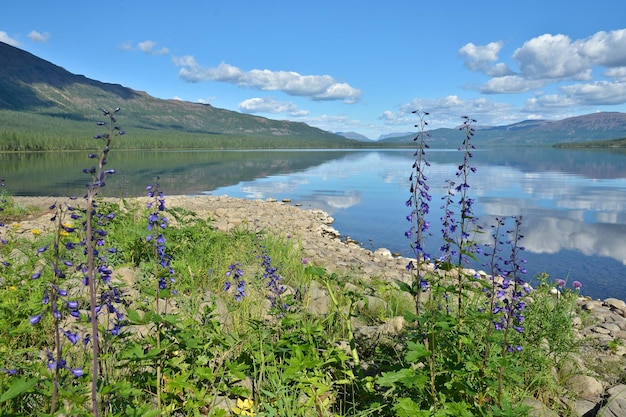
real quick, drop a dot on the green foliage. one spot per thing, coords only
(8, 209)
(35, 132)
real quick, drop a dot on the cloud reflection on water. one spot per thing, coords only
(571, 220)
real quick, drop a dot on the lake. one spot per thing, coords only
(573, 202)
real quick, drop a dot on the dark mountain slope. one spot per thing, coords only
(29, 84)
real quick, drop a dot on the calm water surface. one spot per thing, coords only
(573, 203)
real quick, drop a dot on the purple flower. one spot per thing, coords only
(240, 292)
(577, 285)
(77, 372)
(72, 337)
(35, 319)
(560, 283)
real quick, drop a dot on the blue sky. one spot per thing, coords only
(344, 65)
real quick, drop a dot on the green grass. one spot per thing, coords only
(215, 350)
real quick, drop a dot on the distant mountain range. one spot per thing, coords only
(354, 136)
(36, 95)
(580, 129)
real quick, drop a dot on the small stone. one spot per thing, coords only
(584, 386)
(601, 330)
(615, 303)
(383, 252)
(616, 407)
(580, 408)
(611, 327)
(538, 409)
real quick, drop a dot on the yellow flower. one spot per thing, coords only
(36, 232)
(63, 233)
(244, 407)
(13, 288)
(68, 225)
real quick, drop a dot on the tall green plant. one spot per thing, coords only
(96, 263)
(448, 366)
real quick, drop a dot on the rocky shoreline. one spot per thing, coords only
(589, 391)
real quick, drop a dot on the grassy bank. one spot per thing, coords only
(233, 325)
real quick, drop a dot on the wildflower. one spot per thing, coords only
(35, 319)
(305, 261)
(236, 273)
(560, 283)
(244, 407)
(577, 285)
(36, 232)
(72, 337)
(240, 291)
(156, 218)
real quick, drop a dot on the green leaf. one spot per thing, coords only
(315, 271)
(416, 351)
(18, 387)
(403, 286)
(134, 317)
(406, 407)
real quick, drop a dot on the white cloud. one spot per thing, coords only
(549, 59)
(388, 115)
(447, 111)
(39, 37)
(548, 101)
(607, 49)
(597, 93)
(207, 100)
(510, 84)
(482, 58)
(618, 73)
(126, 46)
(553, 57)
(148, 47)
(315, 87)
(269, 105)
(4, 37)
(579, 95)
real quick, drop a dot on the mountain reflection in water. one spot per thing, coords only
(573, 202)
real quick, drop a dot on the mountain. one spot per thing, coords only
(40, 93)
(354, 136)
(579, 129)
(396, 135)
